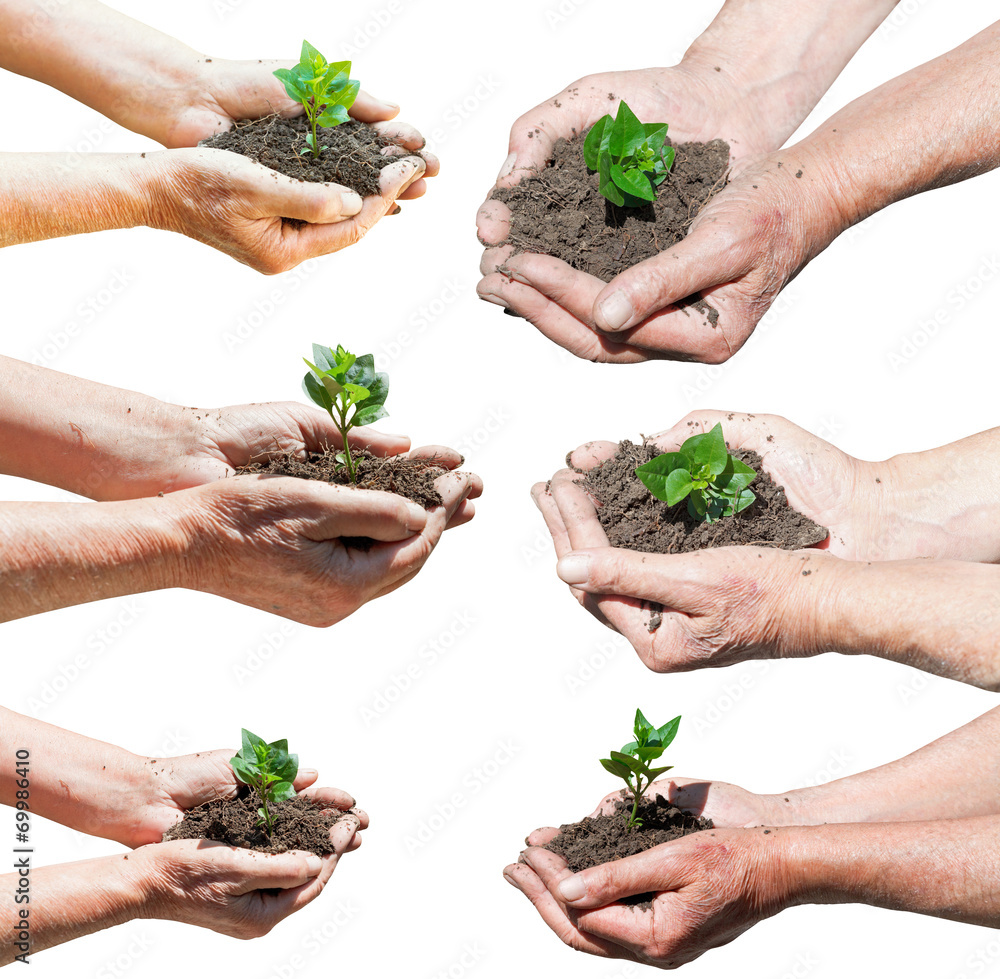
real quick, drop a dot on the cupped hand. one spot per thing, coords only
(240, 893)
(240, 207)
(284, 545)
(708, 888)
(775, 214)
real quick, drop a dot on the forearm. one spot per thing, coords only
(944, 502)
(782, 55)
(116, 65)
(953, 775)
(949, 868)
(85, 784)
(98, 441)
(930, 127)
(52, 905)
(49, 195)
(54, 555)
(942, 617)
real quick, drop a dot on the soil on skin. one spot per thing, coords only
(601, 839)
(412, 478)
(560, 211)
(353, 157)
(300, 824)
(632, 517)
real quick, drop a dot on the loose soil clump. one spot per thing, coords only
(300, 824)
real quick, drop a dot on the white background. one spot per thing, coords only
(167, 681)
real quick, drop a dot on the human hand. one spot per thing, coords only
(231, 890)
(708, 887)
(276, 543)
(776, 213)
(231, 203)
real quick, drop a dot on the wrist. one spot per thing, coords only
(801, 590)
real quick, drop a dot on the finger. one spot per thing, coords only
(369, 109)
(578, 512)
(328, 796)
(743, 430)
(455, 487)
(553, 518)
(705, 258)
(341, 511)
(542, 836)
(618, 571)
(466, 511)
(555, 323)
(395, 178)
(440, 455)
(415, 191)
(305, 777)
(552, 913)
(570, 289)
(653, 870)
(302, 200)
(402, 134)
(493, 222)
(533, 136)
(269, 871)
(378, 443)
(592, 454)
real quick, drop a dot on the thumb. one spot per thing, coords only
(630, 574)
(702, 260)
(606, 883)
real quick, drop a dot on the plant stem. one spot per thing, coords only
(348, 461)
(312, 118)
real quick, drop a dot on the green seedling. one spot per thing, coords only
(705, 474)
(269, 770)
(629, 156)
(326, 91)
(350, 390)
(631, 764)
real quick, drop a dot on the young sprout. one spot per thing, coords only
(326, 91)
(705, 474)
(268, 769)
(632, 762)
(629, 157)
(349, 389)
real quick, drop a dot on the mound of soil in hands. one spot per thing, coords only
(300, 824)
(412, 478)
(560, 211)
(353, 157)
(632, 517)
(601, 839)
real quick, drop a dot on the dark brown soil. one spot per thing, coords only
(300, 824)
(353, 157)
(412, 478)
(560, 211)
(601, 839)
(632, 517)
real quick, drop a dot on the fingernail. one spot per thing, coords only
(418, 515)
(572, 889)
(313, 865)
(350, 203)
(616, 311)
(509, 878)
(395, 210)
(308, 773)
(388, 105)
(508, 166)
(491, 297)
(574, 569)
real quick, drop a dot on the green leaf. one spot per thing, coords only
(708, 450)
(633, 182)
(668, 157)
(656, 133)
(332, 115)
(744, 500)
(657, 772)
(293, 87)
(316, 392)
(310, 56)
(281, 791)
(668, 732)
(242, 771)
(616, 768)
(653, 474)
(333, 387)
(641, 724)
(650, 752)
(337, 71)
(677, 486)
(251, 743)
(592, 144)
(633, 131)
(607, 186)
(616, 134)
(628, 761)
